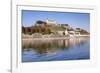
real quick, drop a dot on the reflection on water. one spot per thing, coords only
(55, 50)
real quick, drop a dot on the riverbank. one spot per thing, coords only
(48, 37)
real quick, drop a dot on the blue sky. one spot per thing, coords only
(81, 20)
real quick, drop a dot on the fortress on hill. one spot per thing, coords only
(49, 27)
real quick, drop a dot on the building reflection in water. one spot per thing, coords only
(51, 46)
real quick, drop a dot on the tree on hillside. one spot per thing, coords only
(23, 29)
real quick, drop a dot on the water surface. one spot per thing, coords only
(55, 50)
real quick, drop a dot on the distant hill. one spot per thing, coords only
(50, 27)
(82, 31)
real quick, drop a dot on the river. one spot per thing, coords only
(56, 50)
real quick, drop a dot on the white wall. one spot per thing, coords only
(5, 34)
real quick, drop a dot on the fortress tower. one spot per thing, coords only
(50, 22)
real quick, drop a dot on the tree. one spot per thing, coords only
(23, 29)
(63, 33)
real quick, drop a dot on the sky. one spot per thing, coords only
(74, 19)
